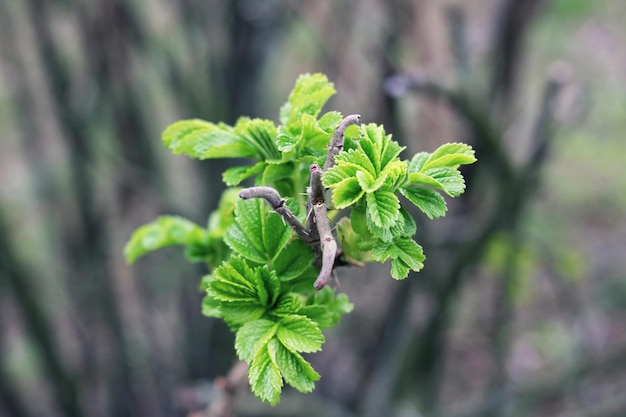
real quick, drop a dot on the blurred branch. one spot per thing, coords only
(38, 326)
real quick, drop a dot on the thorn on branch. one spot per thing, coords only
(278, 204)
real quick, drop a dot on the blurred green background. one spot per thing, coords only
(520, 310)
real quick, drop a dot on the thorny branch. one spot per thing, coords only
(278, 204)
(336, 142)
(317, 232)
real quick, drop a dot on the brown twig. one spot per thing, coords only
(336, 142)
(278, 204)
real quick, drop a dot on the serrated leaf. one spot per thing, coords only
(420, 178)
(329, 121)
(358, 159)
(339, 173)
(297, 372)
(399, 269)
(265, 379)
(383, 208)
(237, 240)
(261, 135)
(428, 201)
(450, 155)
(300, 334)
(293, 260)
(417, 162)
(286, 305)
(307, 97)
(164, 231)
(210, 306)
(252, 337)
(234, 281)
(201, 139)
(404, 249)
(378, 146)
(238, 313)
(320, 314)
(367, 182)
(450, 178)
(268, 284)
(346, 193)
(234, 175)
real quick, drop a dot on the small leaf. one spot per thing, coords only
(252, 337)
(200, 139)
(329, 121)
(265, 379)
(383, 208)
(238, 242)
(297, 372)
(165, 231)
(339, 173)
(450, 155)
(268, 284)
(307, 97)
(404, 249)
(417, 162)
(450, 178)
(234, 175)
(428, 201)
(300, 334)
(234, 281)
(293, 260)
(287, 304)
(367, 182)
(261, 135)
(238, 313)
(346, 193)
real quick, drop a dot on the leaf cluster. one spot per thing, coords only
(369, 176)
(261, 273)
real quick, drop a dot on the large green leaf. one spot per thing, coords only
(201, 139)
(164, 231)
(297, 372)
(300, 334)
(308, 96)
(265, 379)
(293, 260)
(252, 337)
(405, 254)
(383, 208)
(427, 200)
(450, 155)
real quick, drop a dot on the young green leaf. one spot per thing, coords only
(300, 334)
(428, 201)
(297, 372)
(202, 140)
(450, 155)
(293, 260)
(383, 208)
(165, 231)
(265, 379)
(405, 255)
(309, 95)
(252, 337)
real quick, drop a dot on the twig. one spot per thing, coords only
(336, 142)
(328, 243)
(229, 386)
(278, 204)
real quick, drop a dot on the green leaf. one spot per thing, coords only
(287, 304)
(252, 337)
(264, 376)
(268, 284)
(261, 135)
(367, 182)
(258, 233)
(234, 175)
(330, 121)
(165, 231)
(309, 95)
(238, 313)
(383, 208)
(234, 281)
(338, 173)
(378, 146)
(428, 201)
(201, 139)
(346, 193)
(300, 334)
(402, 249)
(450, 178)
(297, 372)
(450, 155)
(358, 159)
(293, 260)
(417, 162)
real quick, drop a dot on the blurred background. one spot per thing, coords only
(520, 310)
